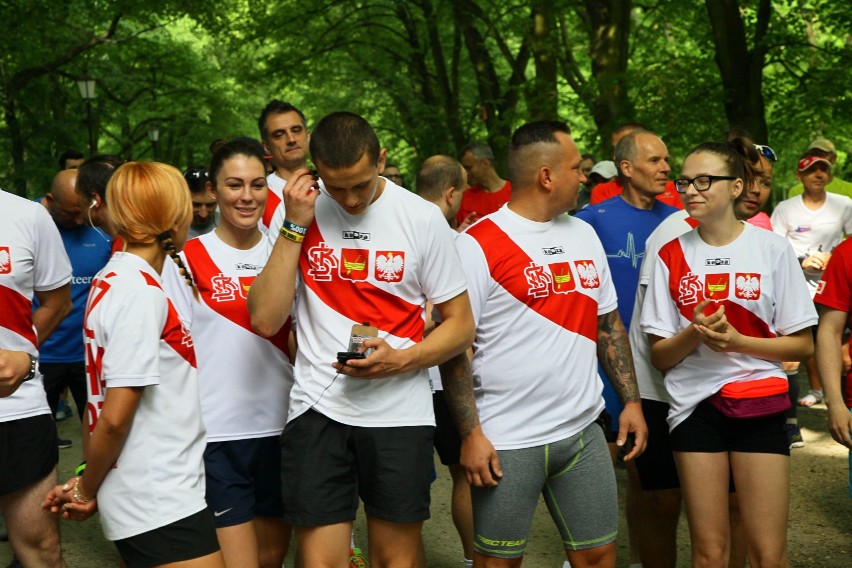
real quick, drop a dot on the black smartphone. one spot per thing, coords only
(344, 356)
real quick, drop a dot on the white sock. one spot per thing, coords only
(566, 564)
(468, 563)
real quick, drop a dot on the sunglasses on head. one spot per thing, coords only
(766, 152)
(195, 173)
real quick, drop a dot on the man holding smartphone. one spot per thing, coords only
(358, 248)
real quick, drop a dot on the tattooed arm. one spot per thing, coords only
(478, 456)
(615, 356)
(616, 359)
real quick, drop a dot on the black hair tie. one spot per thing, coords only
(164, 236)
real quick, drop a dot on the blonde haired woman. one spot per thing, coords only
(144, 470)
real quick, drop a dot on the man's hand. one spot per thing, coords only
(840, 424)
(300, 196)
(479, 460)
(14, 366)
(632, 421)
(383, 362)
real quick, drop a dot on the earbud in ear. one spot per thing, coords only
(94, 202)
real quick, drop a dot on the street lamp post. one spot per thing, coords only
(87, 91)
(154, 136)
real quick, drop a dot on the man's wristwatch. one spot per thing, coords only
(33, 365)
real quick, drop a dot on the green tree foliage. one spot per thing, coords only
(430, 75)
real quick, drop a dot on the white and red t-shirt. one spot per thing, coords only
(813, 230)
(274, 198)
(758, 280)
(835, 292)
(536, 290)
(434, 372)
(32, 259)
(379, 267)
(650, 380)
(245, 378)
(134, 338)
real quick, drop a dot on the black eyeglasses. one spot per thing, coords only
(766, 152)
(701, 183)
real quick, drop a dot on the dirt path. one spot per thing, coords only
(820, 534)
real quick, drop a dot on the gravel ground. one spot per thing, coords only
(820, 534)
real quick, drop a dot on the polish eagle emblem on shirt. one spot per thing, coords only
(5, 261)
(747, 286)
(588, 273)
(390, 265)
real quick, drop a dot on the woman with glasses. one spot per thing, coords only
(725, 305)
(245, 378)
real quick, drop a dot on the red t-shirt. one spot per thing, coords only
(477, 199)
(613, 187)
(834, 291)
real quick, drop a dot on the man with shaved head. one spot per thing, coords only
(62, 358)
(545, 312)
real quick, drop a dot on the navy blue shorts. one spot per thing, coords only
(327, 465)
(243, 480)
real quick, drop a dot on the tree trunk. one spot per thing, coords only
(608, 23)
(741, 70)
(544, 98)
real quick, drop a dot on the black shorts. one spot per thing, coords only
(447, 440)
(327, 465)
(57, 376)
(656, 467)
(708, 430)
(186, 539)
(28, 451)
(243, 480)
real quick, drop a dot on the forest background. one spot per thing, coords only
(430, 75)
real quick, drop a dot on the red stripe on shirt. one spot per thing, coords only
(272, 202)
(574, 311)
(204, 269)
(743, 320)
(174, 334)
(18, 314)
(359, 300)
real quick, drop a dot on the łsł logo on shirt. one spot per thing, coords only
(226, 288)
(689, 289)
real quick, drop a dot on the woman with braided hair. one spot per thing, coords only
(144, 467)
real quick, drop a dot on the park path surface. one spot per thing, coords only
(820, 534)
